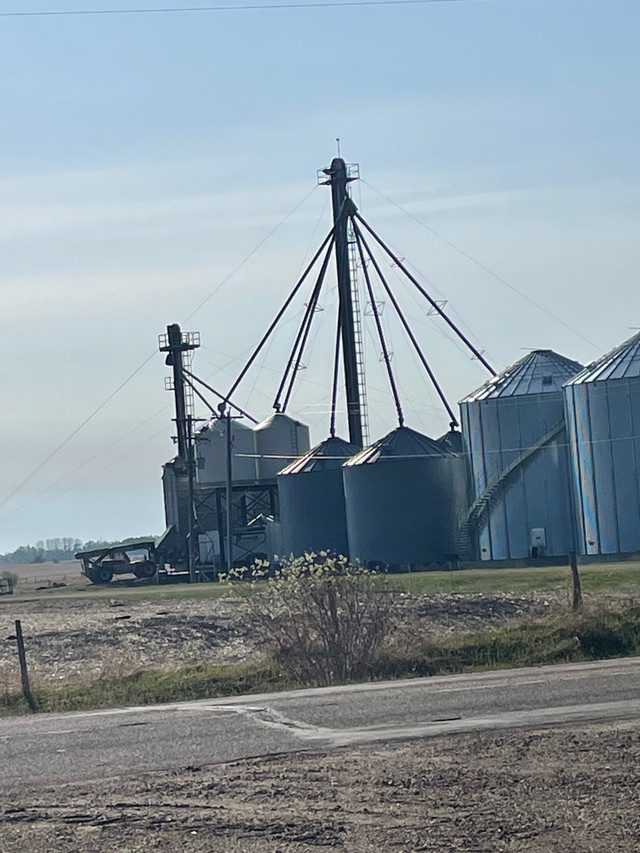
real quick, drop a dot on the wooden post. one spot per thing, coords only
(26, 689)
(577, 586)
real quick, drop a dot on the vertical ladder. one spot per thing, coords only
(358, 335)
(193, 339)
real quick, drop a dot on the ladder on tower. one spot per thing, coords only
(358, 336)
(193, 339)
(187, 360)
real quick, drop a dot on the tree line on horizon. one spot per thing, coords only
(58, 549)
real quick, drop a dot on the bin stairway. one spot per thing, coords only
(482, 504)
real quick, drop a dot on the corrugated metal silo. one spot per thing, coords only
(312, 505)
(279, 439)
(211, 452)
(406, 497)
(603, 417)
(515, 436)
(174, 485)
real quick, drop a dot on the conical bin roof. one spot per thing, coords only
(402, 442)
(623, 362)
(326, 456)
(277, 420)
(220, 424)
(540, 372)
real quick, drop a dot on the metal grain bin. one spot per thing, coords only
(211, 452)
(515, 435)
(603, 418)
(406, 497)
(279, 439)
(312, 506)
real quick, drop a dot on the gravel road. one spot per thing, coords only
(570, 789)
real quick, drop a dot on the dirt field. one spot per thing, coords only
(36, 574)
(565, 790)
(70, 639)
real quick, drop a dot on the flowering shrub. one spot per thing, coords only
(322, 618)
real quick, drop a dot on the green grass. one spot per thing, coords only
(200, 681)
(558, 639)
(616, 578)
(613, 578)
(570, 638)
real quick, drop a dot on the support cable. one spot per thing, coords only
(218, 395)
(481, 266)
(431, 301)
(336, 373)
(303, 329)
(383, 343)
(292, 355)
(279, 315)
(201, 396)
(407, 327)
(305, 337)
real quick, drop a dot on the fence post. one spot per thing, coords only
(26, 689)
(577, 586)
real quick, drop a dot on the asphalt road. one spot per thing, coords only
(91, 745)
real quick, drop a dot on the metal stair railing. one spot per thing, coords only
(483, 502)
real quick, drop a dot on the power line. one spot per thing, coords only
(323, 4)
(552, 445)
(434, 287)
(482, 266)
(45, 461)
(79, 467)
(71, 435)
(106, 467)
(250, 255)
(77, 429)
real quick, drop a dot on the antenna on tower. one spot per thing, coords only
(338, 143)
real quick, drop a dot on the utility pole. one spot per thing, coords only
(576, 602)
(229, 492)
(343, 207)
(192, 551)
(24, 674)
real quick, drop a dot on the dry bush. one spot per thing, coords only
(322, 618)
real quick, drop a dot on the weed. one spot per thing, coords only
(603, 633)
(153, 686)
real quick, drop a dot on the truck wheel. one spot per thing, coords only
(146, 570)
(102, 575)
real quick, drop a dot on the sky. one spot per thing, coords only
(161, 168)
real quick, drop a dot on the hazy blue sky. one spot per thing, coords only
(144, 156)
